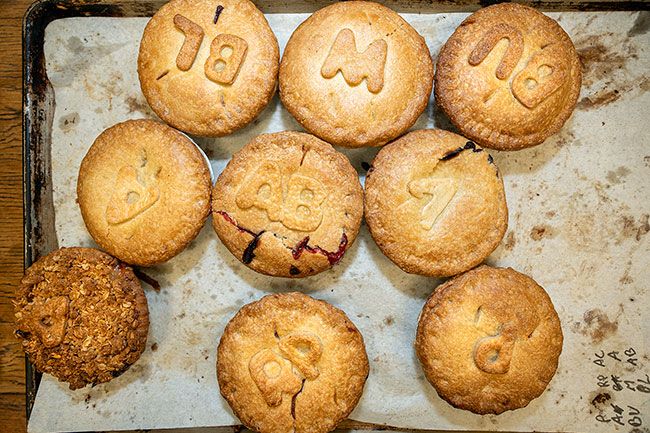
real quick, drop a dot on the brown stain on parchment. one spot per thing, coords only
(68, 122)
(643, 228)
(605, 59)
(136, 104)
(565, 137)
(598, 60)
(596, 325)
(541, 231)
(605, 97)
(597, 218)
(634, 229)
(626, 278)
(617, 176)
(600, 99)
(511, 241)
(599, 400)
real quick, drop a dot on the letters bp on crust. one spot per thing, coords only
(289, 362)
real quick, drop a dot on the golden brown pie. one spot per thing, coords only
(288, 205)
(509, 77)
(208, 67)
(291, 363)
(356, 74)
(434, 203)
(82, 316)
(144, 191)
(489, 340)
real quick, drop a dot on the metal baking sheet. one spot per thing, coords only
(578, 225)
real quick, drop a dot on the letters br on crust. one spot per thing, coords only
(273, 370)
(301, 208)
(355, 66)
(540, 78)
(227, 52)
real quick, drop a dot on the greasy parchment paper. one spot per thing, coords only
(579, 208)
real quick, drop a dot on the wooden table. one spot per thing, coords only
(12, 368)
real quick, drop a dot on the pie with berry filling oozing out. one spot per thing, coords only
(288, 205)
(435, 203)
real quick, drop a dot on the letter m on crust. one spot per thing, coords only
(355, 66)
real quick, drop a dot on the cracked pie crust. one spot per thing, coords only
(489, 340)
(291, 363)
(144, 191)
(208, 67)
(82, 316)
(508, 77)
(288, 205)
(435, 203)
(356, 74)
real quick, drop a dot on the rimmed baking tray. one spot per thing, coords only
(39, 103)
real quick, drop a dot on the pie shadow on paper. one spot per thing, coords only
(506, 420)
(509, 162)
(324, 280)
(140, 371)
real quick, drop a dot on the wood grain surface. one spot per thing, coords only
(12, 364)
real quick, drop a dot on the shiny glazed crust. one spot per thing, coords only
(82, 316)
(351, 115)
(144, 191)
(291, 363)
(489, 340)
(288, 205)
(435, 203)
(483, 89)
(189, 100)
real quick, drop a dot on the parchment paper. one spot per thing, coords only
(579, 208)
